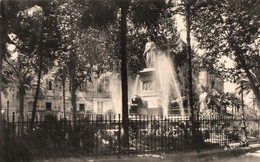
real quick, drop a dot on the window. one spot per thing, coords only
(100, 117)
(83, 86)
(30, 106)
(81, 107)
(100, 107)
(106, 84)
(100, 87)
(48, 85)
(48, 106)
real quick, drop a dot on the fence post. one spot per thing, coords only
(40, 118)
(199, 134)
(7, 111)
(27, 123)
(119, 138)
(18, 125)
(161, 131)
(36, 122)
(13, 125)
(258, 129)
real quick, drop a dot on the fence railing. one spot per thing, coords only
(147, 134)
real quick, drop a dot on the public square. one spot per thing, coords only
(130, 80)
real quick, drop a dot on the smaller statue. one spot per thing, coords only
(149, 53)
(137, 103)
(203, 100)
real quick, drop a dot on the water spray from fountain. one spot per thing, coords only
(116, 94)
(169, 87)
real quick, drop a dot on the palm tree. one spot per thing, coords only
(17, 73)
(231, 99)
(219, 99)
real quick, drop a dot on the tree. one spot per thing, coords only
(9, 10)
(37, 33)
(246, 83)
(83, 51)
(19, 73)
(60, 77)
(254, 10)
(185, 7)
(225, 28)
(142, 13)
(28, 43)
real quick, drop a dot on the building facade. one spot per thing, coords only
(211, 80)
(91, 98)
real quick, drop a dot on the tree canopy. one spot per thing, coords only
(225, 28)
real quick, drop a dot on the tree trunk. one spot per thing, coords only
(21, 104)
(72, 70)
(189, 67)
(3, 40)
(1, 67)
(124, 83)
(255, 87)
(189, 59)
(73, 100)
(1, 124)
(21, 108)
(37, 92)
(64, 97)
(258, 105)
(39, 77)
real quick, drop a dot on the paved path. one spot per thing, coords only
(242, 154)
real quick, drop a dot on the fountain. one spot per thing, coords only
(157, 87)
(155, 90)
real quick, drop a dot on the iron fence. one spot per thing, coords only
(104, 135)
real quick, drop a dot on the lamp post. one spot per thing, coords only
(243, 128)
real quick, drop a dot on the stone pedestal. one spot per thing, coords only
(149, 91)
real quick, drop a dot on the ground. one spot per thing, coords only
(242, 154)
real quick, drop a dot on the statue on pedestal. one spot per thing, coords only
(203, 101)
(149, 53)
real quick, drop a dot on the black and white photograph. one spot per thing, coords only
(129, 80)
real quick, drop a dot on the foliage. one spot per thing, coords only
(143, 13)
(108, 18)
(113, 14)
(35, 23)
(19, 73)
(51, 129)
(225, 28)
(247, 85)
(9, 10)
(14, 148)
(233, 131)
(83, 52)
(36, 36)
(231, 99)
